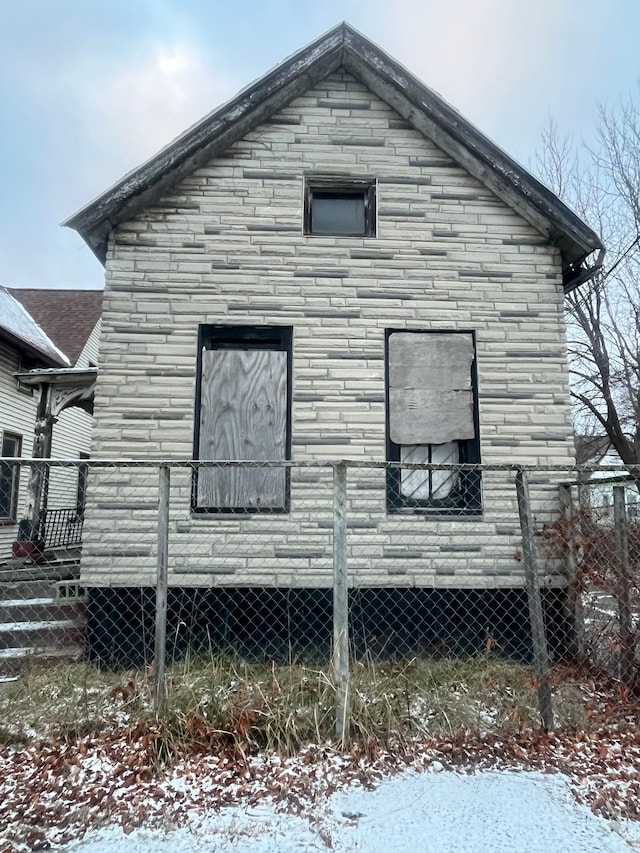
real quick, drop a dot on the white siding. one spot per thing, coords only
(71, 434)
(89, 355)
(17, 415)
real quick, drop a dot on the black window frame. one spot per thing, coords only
(12, 473)
(465, 498)
(365, 188)
(246, 337)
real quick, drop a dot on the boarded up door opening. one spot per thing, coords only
(243, 415)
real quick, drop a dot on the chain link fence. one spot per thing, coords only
(598, 536)
(397, 590)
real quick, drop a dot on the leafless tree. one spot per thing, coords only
(602, 183)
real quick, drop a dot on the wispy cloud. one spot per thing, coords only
(88, 90)
(147, 103)
(79, 124)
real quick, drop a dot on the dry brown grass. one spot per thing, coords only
(214, 701)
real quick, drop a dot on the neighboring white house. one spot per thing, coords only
(338, 255)
(46, 332)
(596, 451)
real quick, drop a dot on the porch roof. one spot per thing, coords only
(58, 376)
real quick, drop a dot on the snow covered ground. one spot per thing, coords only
(423, 812)
(529, 792)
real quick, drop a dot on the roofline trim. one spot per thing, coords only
(422, 106)
(18, 343)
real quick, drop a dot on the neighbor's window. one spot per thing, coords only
(9, 478)
(340, 208)
(243, 412)
(432, 417)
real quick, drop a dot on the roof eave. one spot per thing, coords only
(58, 376)
(573, 275)
(18, 343)
(418, 104)
(431, 114)
(206, 139)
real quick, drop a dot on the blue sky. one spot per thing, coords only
(89, 89)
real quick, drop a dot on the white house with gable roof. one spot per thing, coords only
(333, 265)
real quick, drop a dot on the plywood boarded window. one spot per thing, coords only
(432, 419)
(243, 414)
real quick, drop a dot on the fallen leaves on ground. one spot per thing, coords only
(51, 793)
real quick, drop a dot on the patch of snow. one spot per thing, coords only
(25, 602)
(35, 651)
(430, 812)
(11, 627)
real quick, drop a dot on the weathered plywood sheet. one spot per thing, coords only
(430, 394)
(445, 359)
(243, 415)
(430, 417)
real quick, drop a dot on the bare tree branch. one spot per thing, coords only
(602, 183)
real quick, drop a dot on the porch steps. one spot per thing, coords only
(40, 618)
(60, 569)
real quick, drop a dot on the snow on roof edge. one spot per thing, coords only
(16, 320)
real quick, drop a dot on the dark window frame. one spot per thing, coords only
(364, 188)
(14, 486)
(222, 336)
(466, 497)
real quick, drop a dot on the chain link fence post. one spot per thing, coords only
(536, 615)
(340, 602)
(160, 647)
(623, 581)
(575, 611)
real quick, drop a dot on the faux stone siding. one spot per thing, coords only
(227, 247)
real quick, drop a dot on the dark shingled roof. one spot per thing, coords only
(66, 316)
(344, 47)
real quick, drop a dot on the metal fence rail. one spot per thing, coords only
(352, 563)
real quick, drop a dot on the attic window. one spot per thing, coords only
(340, 208)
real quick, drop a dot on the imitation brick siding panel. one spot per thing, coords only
(227, 247)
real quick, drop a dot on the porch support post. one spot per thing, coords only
(57, 392)
(574, 608)
(39, 472)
